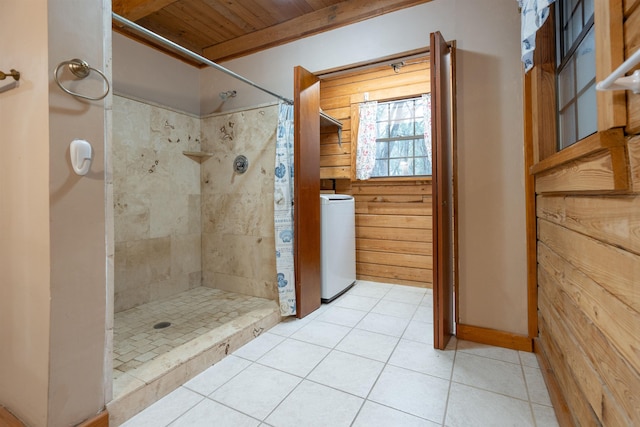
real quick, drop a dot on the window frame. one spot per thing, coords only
(567, 56)
(412, 138)
(383, 95)
(540, 95)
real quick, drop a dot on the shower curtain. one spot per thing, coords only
(283, 210)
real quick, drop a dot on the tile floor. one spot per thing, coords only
(191, 314)
(364, 360)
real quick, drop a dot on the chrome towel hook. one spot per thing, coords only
(81, 69)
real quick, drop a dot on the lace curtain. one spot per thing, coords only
(366, 151)
(283, 210)
(368, 132)
(426, 102)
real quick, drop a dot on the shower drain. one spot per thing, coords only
(161, 325)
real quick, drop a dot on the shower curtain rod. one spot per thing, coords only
(193, 55)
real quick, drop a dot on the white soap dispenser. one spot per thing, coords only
(80, 152)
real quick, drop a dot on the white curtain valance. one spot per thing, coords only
(533, 15)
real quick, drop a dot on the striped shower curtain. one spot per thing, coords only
(283, 210)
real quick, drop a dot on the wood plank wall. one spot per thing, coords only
(588, 278)
(393, 217)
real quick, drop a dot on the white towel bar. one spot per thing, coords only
(617, 80)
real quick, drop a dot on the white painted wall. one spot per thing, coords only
(52, 227)
(24, 213)
(492, 249)
(77, 218)
(151, 75)
(374, 38)
(490, 140)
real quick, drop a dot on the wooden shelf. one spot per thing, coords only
(328, 121)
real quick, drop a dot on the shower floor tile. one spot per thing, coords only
(191, 313)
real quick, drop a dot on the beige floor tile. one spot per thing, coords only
(191, 313)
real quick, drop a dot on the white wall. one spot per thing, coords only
(149, 74)
(492, 249)
(490, 139)
(374, 38)
(493, 282)
(52, 227)
(24, 213)
(77, 217)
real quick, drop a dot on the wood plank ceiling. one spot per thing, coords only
(225, 29)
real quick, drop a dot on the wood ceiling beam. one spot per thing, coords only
(339, 15)
(138, 9)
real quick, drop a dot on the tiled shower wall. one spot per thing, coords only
(180, 223)
(238, 252)
(157, 212)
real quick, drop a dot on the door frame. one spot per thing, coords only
(301, 286)
(444, 182)
(306, 190)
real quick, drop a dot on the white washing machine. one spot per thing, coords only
(338, 245)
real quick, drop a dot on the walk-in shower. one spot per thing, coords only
(194, 243)
(195, 259)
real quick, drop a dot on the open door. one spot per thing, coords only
(443, 202)
(306, 210)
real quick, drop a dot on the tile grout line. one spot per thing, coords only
(331, 350)
(526, 386)
(310, 371)
(453, 365)
(366, 399)
(386, 363)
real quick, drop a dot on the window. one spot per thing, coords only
(576, 71)
(401, 149)
(566, 125)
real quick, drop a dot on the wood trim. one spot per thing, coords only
(336, 16)
(558, 401)
(611, 104)
(494, 337)
(592, 144)
(390, 180)
(454, 142)
(442, 198)
(7, 419)
(134, 10)
(630, 7)
(621, 169)
(608, 20)
(587, 175)
(362, 66)
(633, 151)
(530, 210)
(100, 420)
(543, 92)
(306, 191)
(394, 93)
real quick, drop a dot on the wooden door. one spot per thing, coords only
(306, 208)
(442, 147)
